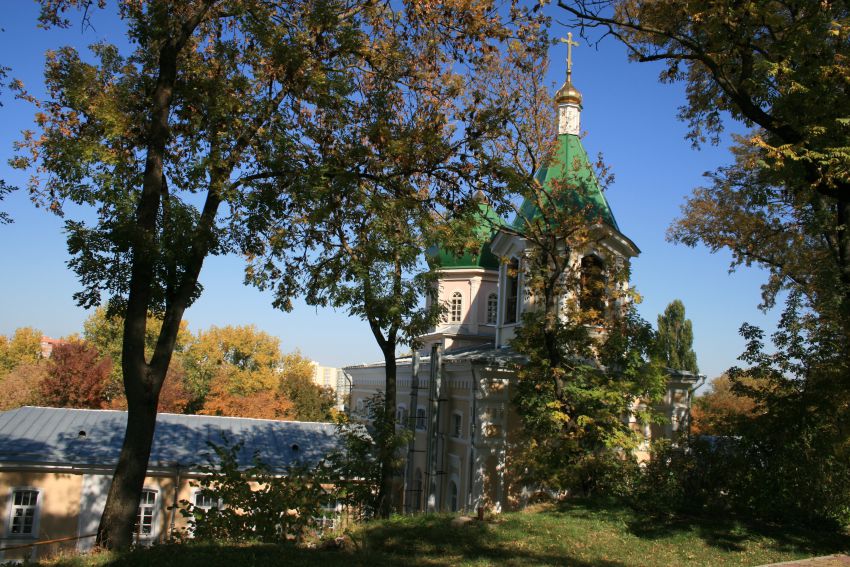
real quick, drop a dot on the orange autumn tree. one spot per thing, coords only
(261, 404)
(77, 377)
(721, 410)
(235, 371)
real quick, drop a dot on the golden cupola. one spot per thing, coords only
(568, 94)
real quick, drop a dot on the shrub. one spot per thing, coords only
(257, 505)
(758, 479)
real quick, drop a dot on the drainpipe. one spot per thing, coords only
(434, 392)
(347, 378)
(411, 426)
(174, 501)
(471, 498)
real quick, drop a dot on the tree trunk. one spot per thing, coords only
(843, 232)
(142, 381)
(387, 451)
(119, 515)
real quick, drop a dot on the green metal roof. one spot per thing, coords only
(486, 221)
(571, 169)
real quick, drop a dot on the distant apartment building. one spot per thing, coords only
(48, 344)
(333, 378)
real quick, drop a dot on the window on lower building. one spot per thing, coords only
(457, 425)
(492, 308)
(145, 513)
(401, 415)
(455, 307)
(24, 512)
(207, 502)
(420, 418)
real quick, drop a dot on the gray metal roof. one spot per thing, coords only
(81, 437)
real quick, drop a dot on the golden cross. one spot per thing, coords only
(570, 43)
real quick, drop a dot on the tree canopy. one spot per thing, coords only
(22, 347)
(779, 67)
(166, 143)
(77, 377)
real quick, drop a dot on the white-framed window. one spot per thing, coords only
(455, 307)
(421, 418)
(401, 414)
(330, 512)
(205, 501)
(145, 515)
(359, 406)
(492, 308)
(457, 424)
(23, 513)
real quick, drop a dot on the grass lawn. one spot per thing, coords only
(575, 534)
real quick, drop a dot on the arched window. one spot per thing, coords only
(420, 419)
(592, 293)
(512, 291)
(492, 307)
(457, 425)
(455, 307)
(401, 414)
(452, 496)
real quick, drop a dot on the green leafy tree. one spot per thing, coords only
(585, 352)
(5, 188)
(784, 205)
(675, 338)
(22, 347)
(166, 143)
(359, 467)
(785, 202)
(392, 170)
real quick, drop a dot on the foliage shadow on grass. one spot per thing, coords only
(723, 531)
(409, 540)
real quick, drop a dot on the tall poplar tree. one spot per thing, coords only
(675, 338)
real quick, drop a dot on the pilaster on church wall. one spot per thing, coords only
(473, 313)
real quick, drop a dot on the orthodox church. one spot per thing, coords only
(454, 393)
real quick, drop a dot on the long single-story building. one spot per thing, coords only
(56, 466)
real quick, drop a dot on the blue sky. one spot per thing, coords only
(628, 116)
